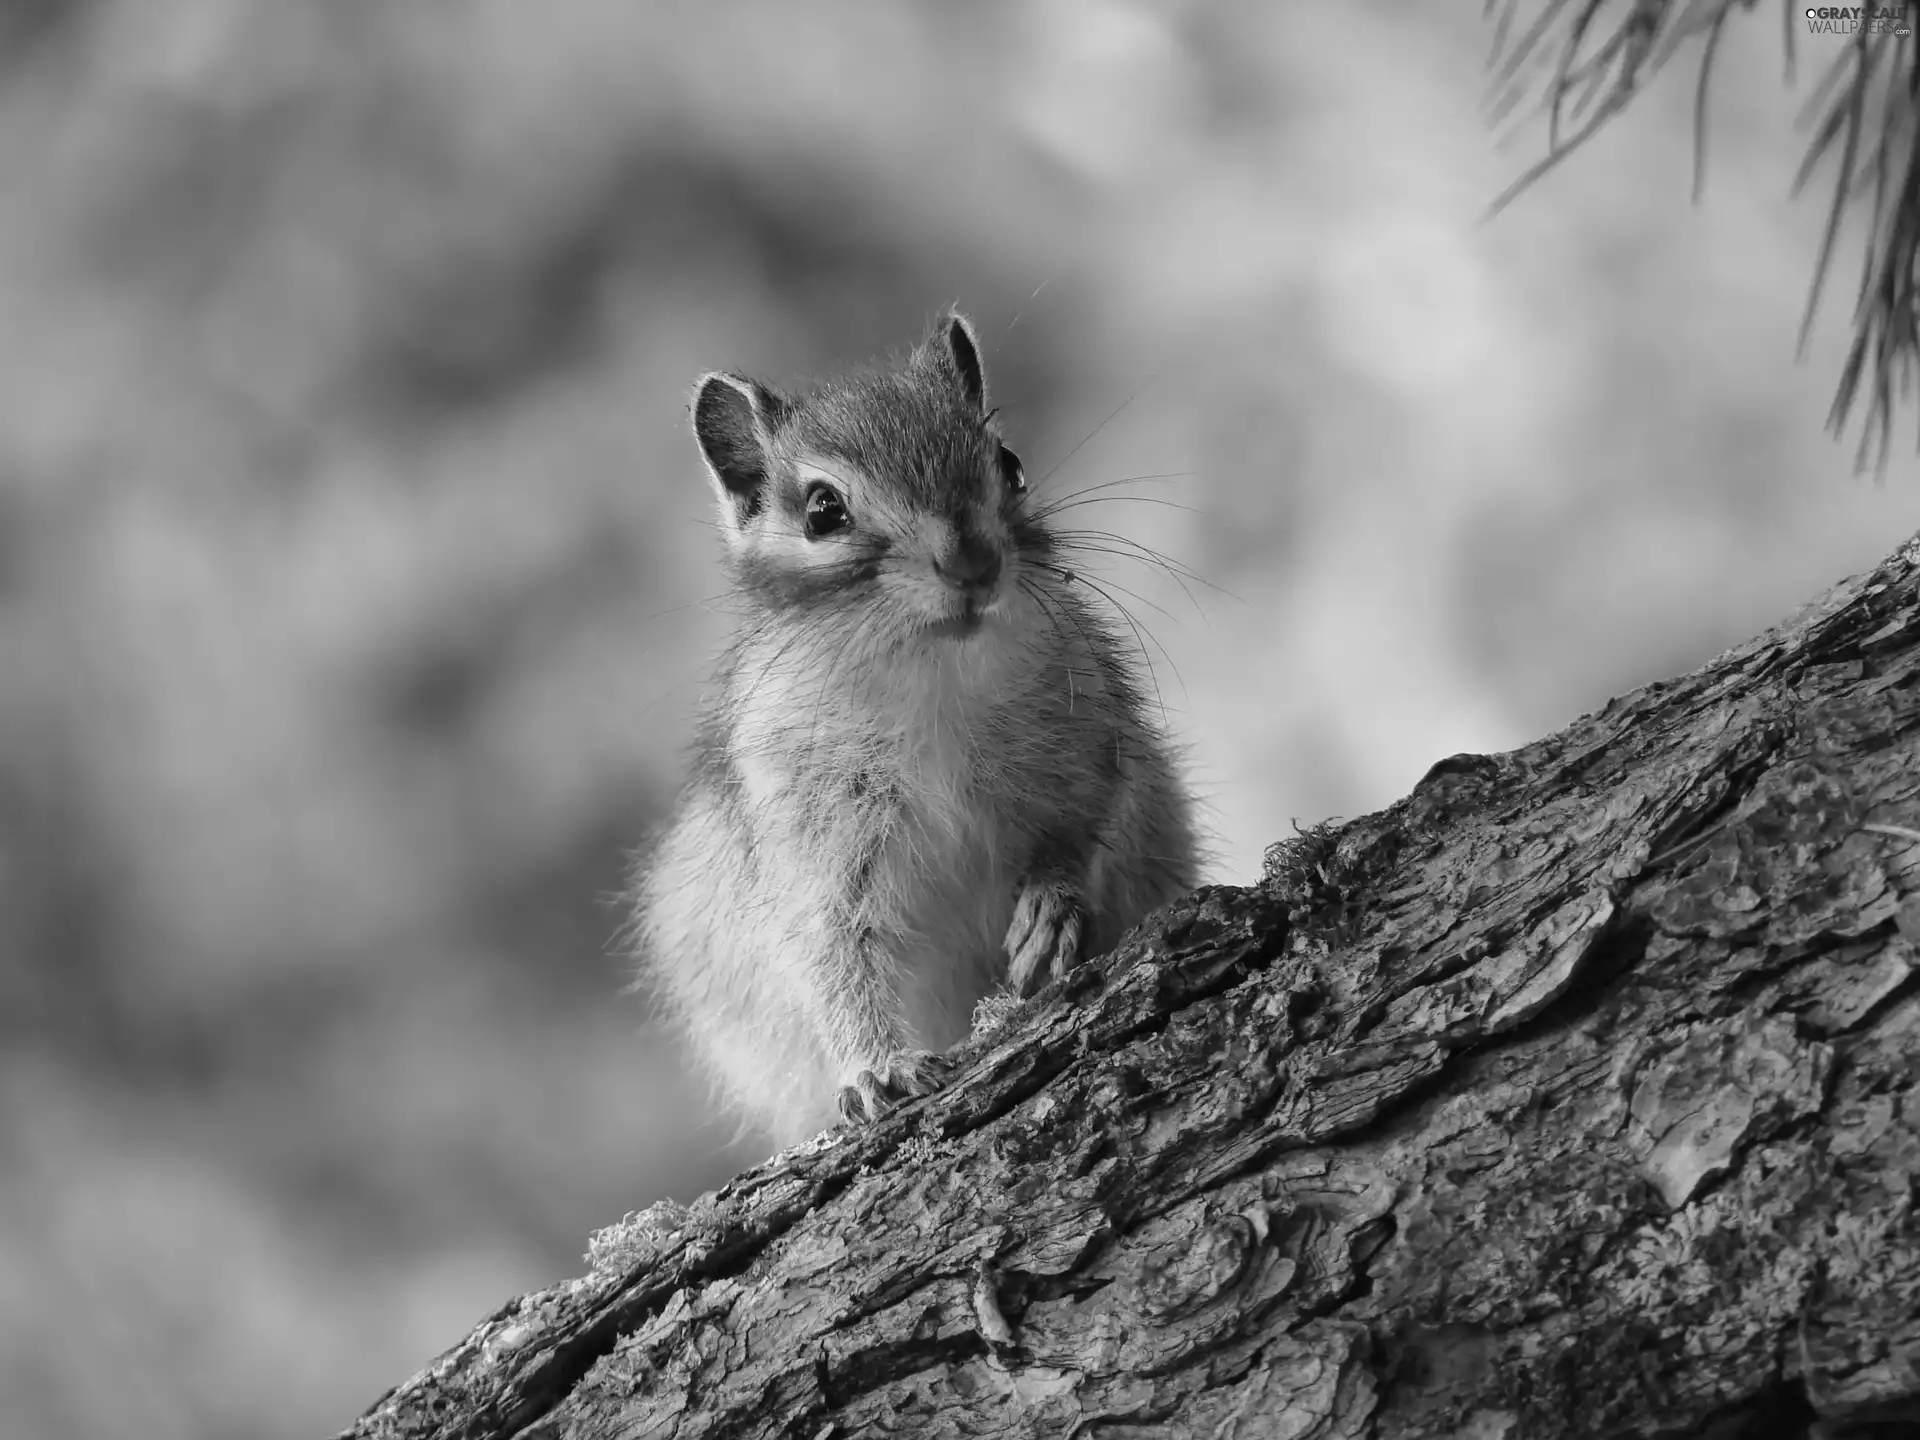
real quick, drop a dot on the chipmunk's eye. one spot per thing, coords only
(826, 512)
(1012, 472)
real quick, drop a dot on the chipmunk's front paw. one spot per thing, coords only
(1044, 940)
(905, 1074)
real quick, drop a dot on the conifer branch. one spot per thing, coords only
(1581, 61)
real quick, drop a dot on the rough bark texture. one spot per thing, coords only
(1577, 1094)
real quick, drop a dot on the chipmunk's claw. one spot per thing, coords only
(862, 1102)
(1043, 943)
(905, 1074)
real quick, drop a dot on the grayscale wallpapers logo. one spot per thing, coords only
(1852, 19)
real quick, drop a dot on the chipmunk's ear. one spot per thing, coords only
(733, 419)
(957, 352)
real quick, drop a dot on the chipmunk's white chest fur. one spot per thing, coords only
(882, 795)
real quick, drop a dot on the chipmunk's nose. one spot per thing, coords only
(971, 566)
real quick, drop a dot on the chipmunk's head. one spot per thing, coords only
(888, 494)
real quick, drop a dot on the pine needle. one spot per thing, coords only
(1589, 58)
(1869, 118)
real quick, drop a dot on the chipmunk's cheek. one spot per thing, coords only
(908, 597)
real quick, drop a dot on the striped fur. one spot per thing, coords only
(890, 760)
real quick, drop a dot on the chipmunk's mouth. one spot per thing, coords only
(971, 619)
(958, 627)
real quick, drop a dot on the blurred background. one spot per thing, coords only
(356, 587)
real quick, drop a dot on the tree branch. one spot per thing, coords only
(1577, 1094)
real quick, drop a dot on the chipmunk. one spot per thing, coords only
(926, 769)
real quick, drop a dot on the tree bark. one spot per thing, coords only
(1577, 1094)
